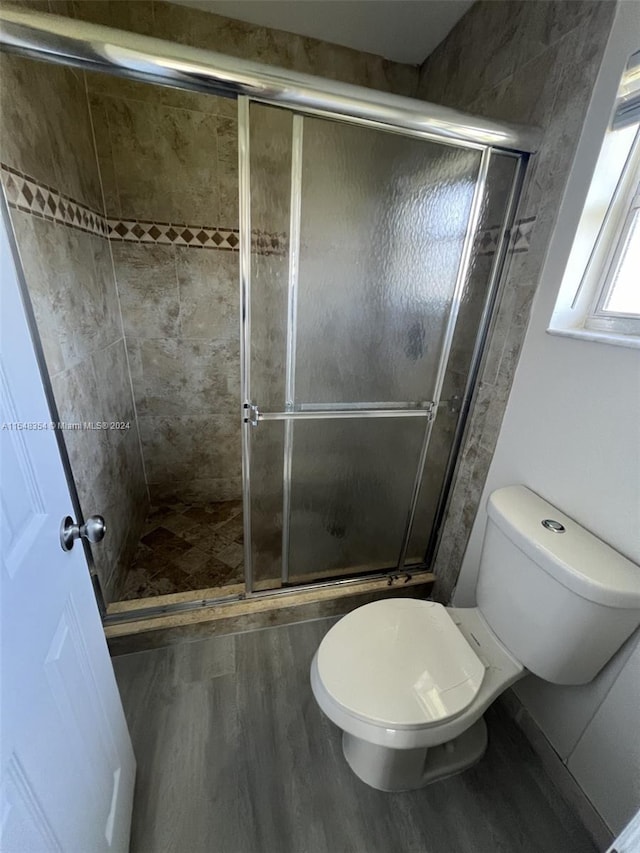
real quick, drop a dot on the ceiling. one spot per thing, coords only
(402, 30)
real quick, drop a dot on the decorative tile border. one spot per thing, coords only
(194, 236)
(521, 234)
(519, 239)
(33, 197)
(269, 243)
(488, 240)
(26, 194)
(173, 234)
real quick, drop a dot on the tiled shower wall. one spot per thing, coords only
(168, 170)
(533, 63)
(169, 166)
(60, 228)
(168, 161)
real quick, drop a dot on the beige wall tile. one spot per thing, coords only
(148, 289)
(24, 136)
(114, 401)
(124, 508)
(227, 131)
(197, 491)
(33, 255)
(134, 16)
(209, 294)
(178, 376)
(38, 105)
(100, 121)
(76, 392)
(72, 288)
(165, 162)
(229, 203)
(180, 448)
(106, 464)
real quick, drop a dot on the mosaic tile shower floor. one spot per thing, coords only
(187, 547)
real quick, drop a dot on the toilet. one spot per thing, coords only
(408, 680)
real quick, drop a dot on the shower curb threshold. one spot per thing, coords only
(236, 614)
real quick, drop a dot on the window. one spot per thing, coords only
(600, 293)
(616, 306)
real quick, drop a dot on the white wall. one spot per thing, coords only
(571, 432)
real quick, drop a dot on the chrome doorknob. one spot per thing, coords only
(92, 530)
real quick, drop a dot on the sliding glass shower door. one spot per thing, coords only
(361, 241)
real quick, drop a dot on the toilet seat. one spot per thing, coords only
(399, 663)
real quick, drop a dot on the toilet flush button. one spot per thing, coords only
(551, 524)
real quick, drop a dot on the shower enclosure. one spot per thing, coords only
(372, 234)
(351, 362)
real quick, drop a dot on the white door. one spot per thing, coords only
(67, 764)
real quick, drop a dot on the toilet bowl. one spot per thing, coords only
(408, 681)
(417, 676)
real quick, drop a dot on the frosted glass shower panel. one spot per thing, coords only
(350, 491)
(267, 453)
(270, 169)
(382, 225)
(500, 178)
(501, 175)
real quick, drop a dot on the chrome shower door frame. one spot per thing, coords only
(251, 415)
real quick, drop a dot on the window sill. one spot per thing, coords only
(630, 341)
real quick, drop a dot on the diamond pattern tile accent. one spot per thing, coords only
(266, 243)
(10, 186)
(521, 234)
(31, 196)
(197, 237)
(27, 194)
(489, 241)
(519, 239)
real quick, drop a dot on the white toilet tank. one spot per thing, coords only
(560, 600)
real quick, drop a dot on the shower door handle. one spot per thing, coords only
(92, 530)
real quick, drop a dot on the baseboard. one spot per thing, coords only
(557, 771)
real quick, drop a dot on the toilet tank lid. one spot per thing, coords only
(575, 558)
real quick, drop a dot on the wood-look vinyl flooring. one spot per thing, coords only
(234, 756)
